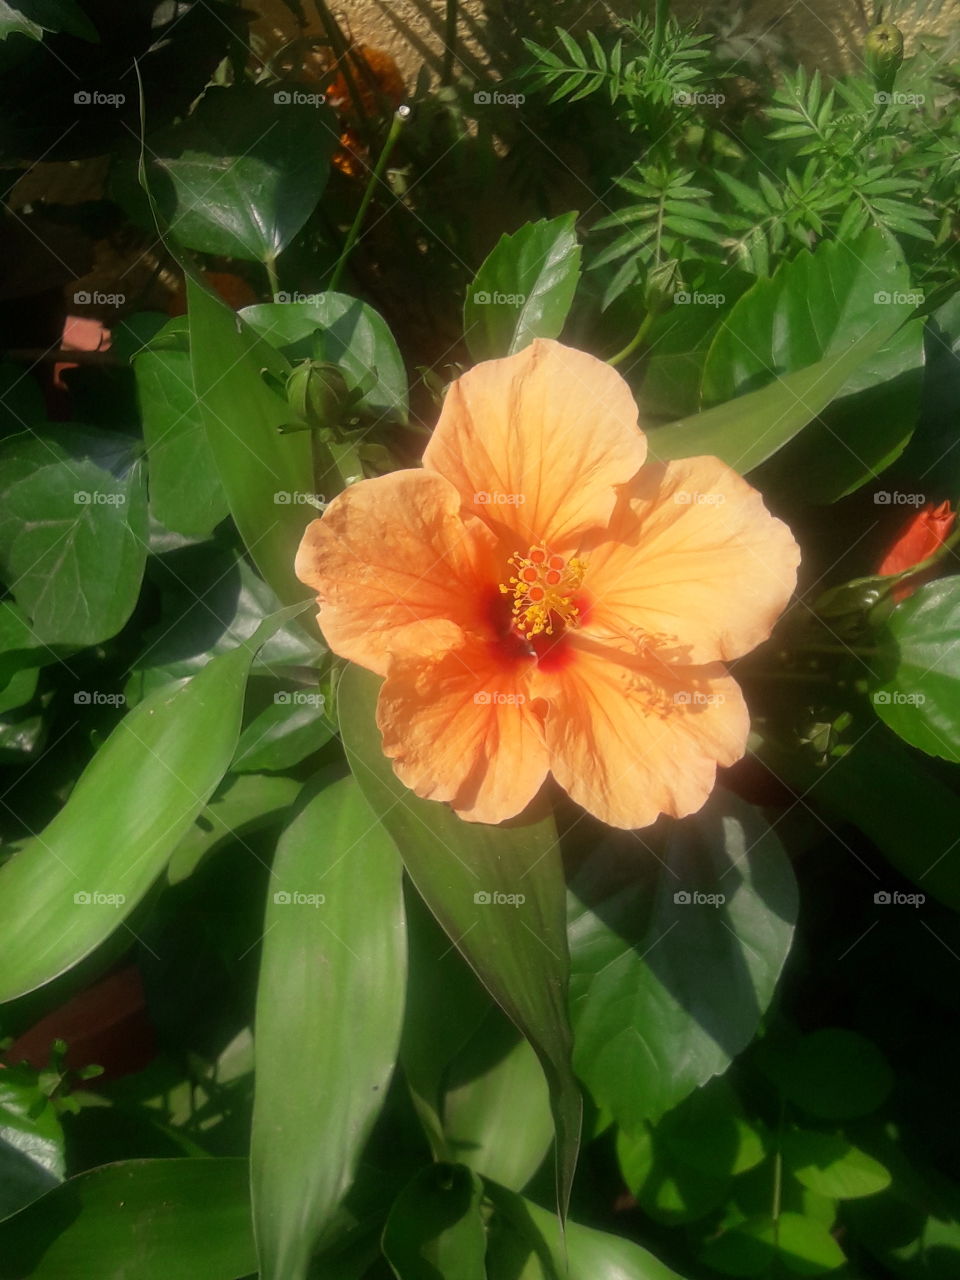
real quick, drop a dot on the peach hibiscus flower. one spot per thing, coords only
(540, 601)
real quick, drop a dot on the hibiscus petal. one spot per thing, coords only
(461, 727)
(537, 442)
(629, 740)
(397, 568)
(691, 555)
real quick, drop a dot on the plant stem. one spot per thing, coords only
(635, 341)
(399, 116)
(449, 41)
(270, 266)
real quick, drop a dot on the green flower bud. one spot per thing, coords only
(884, 53)
(319, 393)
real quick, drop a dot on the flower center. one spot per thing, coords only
(543, 591)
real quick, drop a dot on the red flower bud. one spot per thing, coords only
(926, 530)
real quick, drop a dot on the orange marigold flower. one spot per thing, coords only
(919, 538)
(538, 600)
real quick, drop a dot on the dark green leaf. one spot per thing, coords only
(524, 288)
(73, 531)
(435, 1231)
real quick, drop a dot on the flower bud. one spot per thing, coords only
(884, 53)
(319, 393)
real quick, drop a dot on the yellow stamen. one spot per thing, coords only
(543, 591)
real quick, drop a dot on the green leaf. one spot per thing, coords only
(496, 1110)
(708, 1131)
(832, 1073)
(831, 1166)
(920, 699)
(668, 1190)
(802, 1245)
(881, 787)
(73, 530)
(33, 17)
(31, 1142)
(814, 306)
(185, 491)
(524, 288)
(241, 176)
(153, 1219)
(352, 336)
(334, 944)
(435, 1231)
(72, 885)
(265, 475)
(527, 1244)
(746, 431)
(473, 878)
(244, 805)
(293, 727)
(668, 989)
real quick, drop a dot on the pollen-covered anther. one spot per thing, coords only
(544, 591)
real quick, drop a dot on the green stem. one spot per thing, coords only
(776, 1202)
(399, 116)
(635, 341)
(270, 266)
(450, 42)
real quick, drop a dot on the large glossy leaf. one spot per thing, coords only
(73, 530)
(746, 431)
(831, 1166)
(498, 893)
(329, 1013)
(73, 884)
(244, 172)
(185, 491)
(31, 1141)
(435, 1230)
(265, 475)
(527, 1246)
(496, 1110)
(672, 969)
(153, 1219)
(920, 698)
(812, 307)
(524, 288)
(343, 331)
